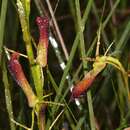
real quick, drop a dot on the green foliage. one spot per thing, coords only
(73, 26)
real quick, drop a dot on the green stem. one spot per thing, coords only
(111, 12)
(103, 27)
(36, 70)
(68, 112)
(74, 47)
(8, 96)
(82, 49)
(4, 70)
(124, 38)
(2, 22)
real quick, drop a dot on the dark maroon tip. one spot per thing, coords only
(42, 22)
(15, 68)
(43, 25)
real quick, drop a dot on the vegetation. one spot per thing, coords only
(65, 65)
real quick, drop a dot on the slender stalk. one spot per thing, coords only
(103, 26)
(41, 118)
(8, 96)
(74, 47)
(111, 13)
(66, 70)
(41, 8)
(2, 22)
(68, 111)
(35, 69)
(72, 53)
(124, 38)
(59, 90)
(95, 10)
(57, 29)
(82, 49)
(3, 65)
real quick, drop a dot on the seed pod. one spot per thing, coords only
(42, 48)
(17, 73)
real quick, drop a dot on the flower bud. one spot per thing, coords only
(42, 48)
(83, 85)
(17, 73)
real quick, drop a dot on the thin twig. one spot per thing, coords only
(18, 124)
(56, 119)
(57, 29)
(12, 51)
